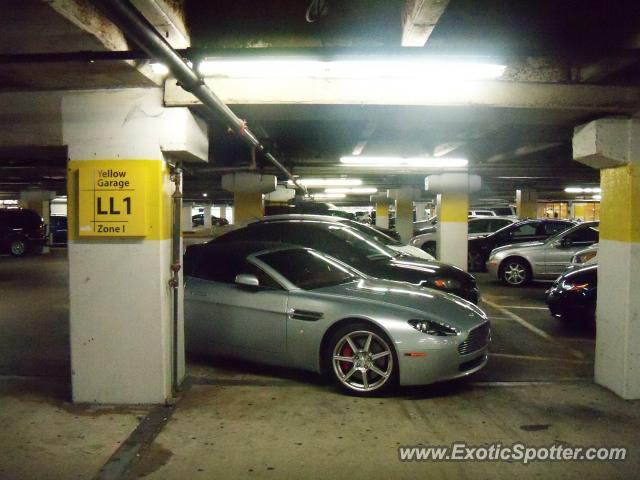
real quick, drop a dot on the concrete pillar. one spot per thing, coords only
(248, 205)
(186, 217)
(207, 216)
(452, 229)
(613, 146)
(381, 203)
(404, 211)
(382, 214)
(526, 203)
(247, 191)
(453, 212)
(421, 211)
(121, 303)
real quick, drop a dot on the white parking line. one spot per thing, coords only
(531, 328)
(538, 358)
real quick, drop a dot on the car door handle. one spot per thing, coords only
(305, 315)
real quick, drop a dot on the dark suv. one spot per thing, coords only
(359, 250)
(22, 231)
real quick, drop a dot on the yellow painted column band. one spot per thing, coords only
(157, 196)
(247, 205)
(382, 209)
(620, 204)
(454, 207)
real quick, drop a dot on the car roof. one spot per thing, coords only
(301, 216)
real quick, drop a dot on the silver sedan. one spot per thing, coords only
(299, 308)
(518, 264)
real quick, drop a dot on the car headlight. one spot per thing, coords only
(434, 328)
(585, 257)
(446, 283)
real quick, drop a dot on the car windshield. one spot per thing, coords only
(363, 242)
(308, 269)
(376, 234)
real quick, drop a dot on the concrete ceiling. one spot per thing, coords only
(543, 42)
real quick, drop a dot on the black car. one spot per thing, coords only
(359, 250)
(197, 220)
(519, 232)
(58, 228)
(22, 231)
(573, 295)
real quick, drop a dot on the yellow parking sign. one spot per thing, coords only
(112, 200)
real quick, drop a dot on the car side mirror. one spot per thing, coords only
(247, 279)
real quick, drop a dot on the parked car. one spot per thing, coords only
(588, 256)
(383, 235)
(482, 213)
(516, 265)
(197, 220)
(299, 308)
(573, 296)
(58, 230)
(478, 227)
(22, 231)
(519, 232)
(364, 217)
(359, 250)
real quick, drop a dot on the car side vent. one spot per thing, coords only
(305, 315)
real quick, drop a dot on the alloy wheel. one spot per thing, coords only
(18, 248)
(515, 273)
(362, 361)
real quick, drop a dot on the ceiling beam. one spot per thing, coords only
(419, 18)
(308, 91)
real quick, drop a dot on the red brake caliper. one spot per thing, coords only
(346, 352)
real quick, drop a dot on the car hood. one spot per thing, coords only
(423, 303)
(415, 270)
(518, 246)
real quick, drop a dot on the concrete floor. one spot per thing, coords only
(238, 420)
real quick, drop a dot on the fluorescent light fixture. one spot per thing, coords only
(355, 191)
(159, 68)
(205, 195)
(583, 190)
(366, 68)
(357, 150)
(398, 162)
(328, 182)
(597, 197)
(327, 196)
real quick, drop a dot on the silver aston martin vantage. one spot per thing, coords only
(299, 308)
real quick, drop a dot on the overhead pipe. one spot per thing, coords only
(144, 34)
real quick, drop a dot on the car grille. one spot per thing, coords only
(478, 338)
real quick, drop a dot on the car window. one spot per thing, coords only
(307, 269)
(497, 224)
(478, 226)
(219, 269)
(263, 277)
(552, 228)
(525, 230)
(585, 234)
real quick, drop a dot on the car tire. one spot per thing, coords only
(372, 366)
(475, 262)
(18, 247)
(430, 248)
(515, 272)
